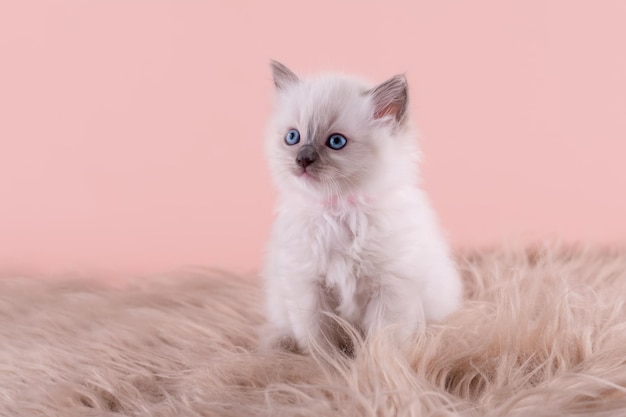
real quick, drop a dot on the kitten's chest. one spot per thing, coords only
(336, 242)
(334, 249)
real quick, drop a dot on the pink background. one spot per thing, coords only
(131, 131)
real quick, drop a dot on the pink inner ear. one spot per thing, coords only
(391, 109)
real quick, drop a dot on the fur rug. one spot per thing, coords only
(543, 333)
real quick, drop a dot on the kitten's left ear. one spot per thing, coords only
(391, 98)
(283, 76)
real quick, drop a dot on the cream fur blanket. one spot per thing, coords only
(543, 333)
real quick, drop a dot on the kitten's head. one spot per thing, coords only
(335, 136)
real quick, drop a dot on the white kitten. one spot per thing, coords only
(354, 235)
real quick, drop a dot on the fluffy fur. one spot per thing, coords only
(355, 237)
(543, 333)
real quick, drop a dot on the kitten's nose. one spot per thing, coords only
(306, 156)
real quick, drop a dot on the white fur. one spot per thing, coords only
(365, 244)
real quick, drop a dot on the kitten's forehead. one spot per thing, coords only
(331, 91)
(323, 103)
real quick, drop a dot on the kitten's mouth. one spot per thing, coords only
(306, 175)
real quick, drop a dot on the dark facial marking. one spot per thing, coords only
(307, 155)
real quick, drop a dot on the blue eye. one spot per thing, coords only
(292, 137)
(336, 141)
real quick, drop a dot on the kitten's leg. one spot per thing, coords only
(396, 309)
(311, 308)
(297, 315)
(443, 293)
(293, 313)
(277, 334)
(305, 315)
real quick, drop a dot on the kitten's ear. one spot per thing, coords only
(390, 99)
(283, 76)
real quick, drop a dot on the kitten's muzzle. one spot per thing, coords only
(307, 155)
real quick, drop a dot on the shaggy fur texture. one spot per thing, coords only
(543, 333)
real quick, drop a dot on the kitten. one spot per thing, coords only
(354, 235)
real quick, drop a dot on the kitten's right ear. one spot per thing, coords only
(283, 76)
